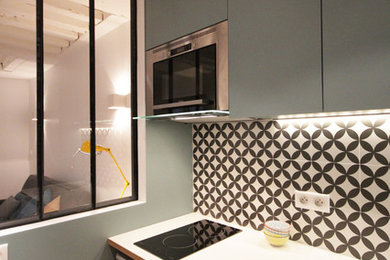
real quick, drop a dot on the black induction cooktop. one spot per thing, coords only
(183, 241)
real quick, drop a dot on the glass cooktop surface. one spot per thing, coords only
(183, 241)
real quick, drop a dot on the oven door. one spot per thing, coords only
(185, 82)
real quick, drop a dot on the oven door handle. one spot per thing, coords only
(181, 104)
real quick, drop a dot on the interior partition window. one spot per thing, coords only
(67, 99)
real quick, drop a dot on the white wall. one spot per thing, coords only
(16, 120)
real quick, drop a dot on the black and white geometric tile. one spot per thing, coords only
(247, 172)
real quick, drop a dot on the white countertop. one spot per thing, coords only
(246, 245)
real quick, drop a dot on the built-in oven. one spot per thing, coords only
(189, 74)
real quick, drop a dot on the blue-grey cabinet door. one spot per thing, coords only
(356, 54)
(166, 20)
(274, 57)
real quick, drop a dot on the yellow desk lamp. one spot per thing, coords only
(86, 149)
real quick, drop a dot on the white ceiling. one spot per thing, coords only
(65, 22)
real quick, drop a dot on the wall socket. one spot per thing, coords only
(4, 252)
(312, 200)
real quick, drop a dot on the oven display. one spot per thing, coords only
(181, 49)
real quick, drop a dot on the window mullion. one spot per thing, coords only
(92, 99)
(40, 104)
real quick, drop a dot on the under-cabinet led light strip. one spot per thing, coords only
(336, 114)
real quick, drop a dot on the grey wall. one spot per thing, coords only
(169, 194)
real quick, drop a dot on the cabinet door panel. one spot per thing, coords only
(167, 20)
(274, 57)
(356, 54)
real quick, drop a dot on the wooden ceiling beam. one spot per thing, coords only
(28, 45)
(20, 9)
(23, 34)
(4, 61)
(112, 7)
(81, 2)
(66, 23)
(14, 51)
(29, 24)
(63, 8)
(27, 54)
(73, 9)
(11, 63)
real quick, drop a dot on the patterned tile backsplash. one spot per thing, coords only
(247, 172)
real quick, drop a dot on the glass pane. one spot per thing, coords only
(184, 77)
(18, 181)
(189, 76)
(207, 74)
(161, 92)
(113, 124)
(67, 115)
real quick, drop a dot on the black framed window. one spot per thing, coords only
(71, 143)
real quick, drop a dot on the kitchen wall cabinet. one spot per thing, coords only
(356, 54)
(275, 51)
(274, 57)
(168, 20)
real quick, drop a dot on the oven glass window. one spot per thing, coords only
(187, 77)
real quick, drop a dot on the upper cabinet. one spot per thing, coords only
(168, 20)
(356, 54)
(282, 60)
(274, 57)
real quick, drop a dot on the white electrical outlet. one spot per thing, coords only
(312, 200)
(4, 252)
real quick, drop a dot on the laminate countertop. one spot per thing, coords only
(246, 245)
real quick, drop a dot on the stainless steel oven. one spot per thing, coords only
(189, 74)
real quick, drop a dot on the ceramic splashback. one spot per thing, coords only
(247, 172)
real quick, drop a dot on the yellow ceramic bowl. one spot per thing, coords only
(276, 241)
(274, 234)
